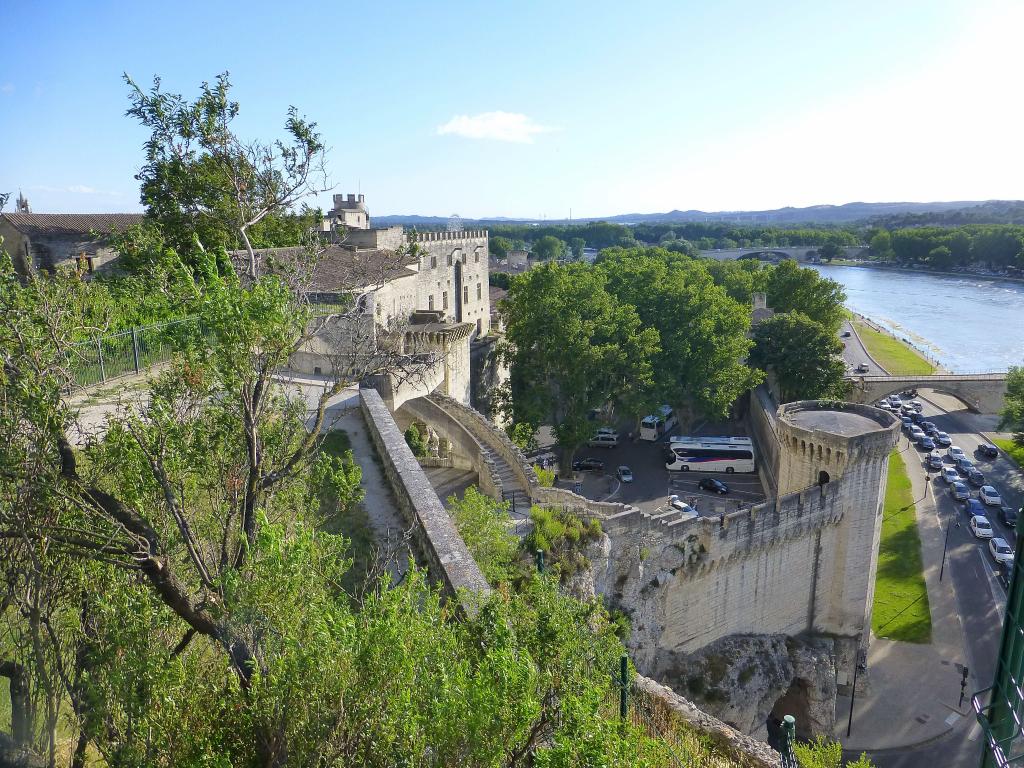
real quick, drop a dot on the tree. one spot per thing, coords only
(1012, 416)
(880, 245)
(699, 366)
(791, 287)
(941, 257)
(577, 244)
(548, 248)
(572, 347)
(208, 187)
(500, 246)
(829, 251)
(802, 354)
(483, 525)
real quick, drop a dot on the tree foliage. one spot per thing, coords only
(572, 347)
(791, 287)
(548, 248)
(1012, 416)
(803, 356)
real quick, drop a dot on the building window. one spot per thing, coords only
(464, 257)
(450, 262)
(444, 300)
(476, 257)
(479, 293)
(433, 262)
(479, 328)
(465, 294)
(430, 301)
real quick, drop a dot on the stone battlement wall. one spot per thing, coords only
(426, 237)
(438, 541)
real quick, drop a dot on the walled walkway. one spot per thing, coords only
(912, 691)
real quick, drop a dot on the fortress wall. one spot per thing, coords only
(443, 254)
(764, 430)
(437, 540)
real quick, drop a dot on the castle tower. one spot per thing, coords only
(349, 212)
(821, 442)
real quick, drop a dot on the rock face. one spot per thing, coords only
(740, 678)
(745, 679)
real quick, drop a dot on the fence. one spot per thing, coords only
(131, 352)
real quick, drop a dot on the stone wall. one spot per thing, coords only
(437, 540)
(453, 276)
(764, 431)
(466, 452)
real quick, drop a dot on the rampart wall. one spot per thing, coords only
(765, 433)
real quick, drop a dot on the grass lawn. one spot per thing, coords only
(901, 599)
(1016, 451)
(892, 354)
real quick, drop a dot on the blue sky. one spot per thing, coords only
(533, 109)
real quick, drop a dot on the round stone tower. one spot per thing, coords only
(846, 447)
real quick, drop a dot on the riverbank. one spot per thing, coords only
(896, 356)
(913, 271)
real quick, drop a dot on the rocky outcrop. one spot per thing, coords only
(745, 679)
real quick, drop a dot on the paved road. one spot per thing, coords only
(854, 352)
(979, 595)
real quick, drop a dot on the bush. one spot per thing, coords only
(416, 441)
(563, 537)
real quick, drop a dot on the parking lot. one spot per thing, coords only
(652, 484)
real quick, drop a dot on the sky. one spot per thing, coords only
(539, 109)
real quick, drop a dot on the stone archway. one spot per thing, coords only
(796, 701)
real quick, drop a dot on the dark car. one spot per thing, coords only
(845, 334)
(926, 444)
(988, 451)
(581, 465)
(1008, 515)
(929, 428)
(907, 421)
(715, 486)
(973, 508)
(975, 477)
(918, 417)
(964, 464)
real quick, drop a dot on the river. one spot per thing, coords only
(969, 324)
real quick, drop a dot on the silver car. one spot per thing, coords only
(1001, 552)
(959, 491)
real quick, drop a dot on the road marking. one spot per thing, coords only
(996, 598)
(952, 719)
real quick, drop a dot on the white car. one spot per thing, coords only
(625, 474)
(950, 475)
(1001, 552)
(956, 452)
(678, 504)
(981, 527)
(916, 433)
(917, 405)
(603, 441)
(990, 496)
(894, 401)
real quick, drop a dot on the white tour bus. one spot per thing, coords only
(653, 427)
(711, 454)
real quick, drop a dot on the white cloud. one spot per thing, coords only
(78, 189)
(500, 126)
(83, 190)
(7, 88)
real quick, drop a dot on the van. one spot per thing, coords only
(603, 441)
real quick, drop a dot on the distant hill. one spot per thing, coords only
(914, 214)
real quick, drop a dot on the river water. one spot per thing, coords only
(969, 324)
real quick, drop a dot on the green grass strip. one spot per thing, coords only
(901, 609)
(1015, 451)
(892, 354)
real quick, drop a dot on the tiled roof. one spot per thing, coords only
(337, 269)
(71, 224)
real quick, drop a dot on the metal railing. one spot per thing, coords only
(130, 352)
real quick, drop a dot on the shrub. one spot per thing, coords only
(416, 441)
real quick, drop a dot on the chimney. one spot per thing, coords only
(362, 199)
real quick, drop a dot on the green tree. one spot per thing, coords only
(941, 257)
(703, 331)
(572, 347)
(206, 186)
(548, 248)
(483, 524)
(1012, 415)
(880, 245)
(792, 287)
(415, 441)
(802, 354)
(829, 251)
(500, 246)
(576, 245)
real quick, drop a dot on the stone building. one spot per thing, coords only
(349, 212)
(50, 241)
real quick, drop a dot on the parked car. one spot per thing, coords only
(918, 417)
(959, 491)
(956, 452)
(929, 427)
(603, 441)
(678, 504)
(973, 508)
(715, 486)
(950, 475)
(988, 451)
(1001, 552)
(907, 422)
(934, 460)
(862, 368)
(845, 334)
(981, 527)
(583, 465)
(943, 439)
(975, 477)
(990, 496)
(925, 443)
(1008, 515)
(916, 433)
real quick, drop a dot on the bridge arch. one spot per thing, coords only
(981, 393)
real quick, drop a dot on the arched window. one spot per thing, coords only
(823, 478)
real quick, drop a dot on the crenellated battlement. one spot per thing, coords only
(429, 237)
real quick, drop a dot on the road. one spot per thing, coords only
(979, 595)
(854, 352)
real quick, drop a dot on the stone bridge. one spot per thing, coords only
(798, 252)
(981, 392)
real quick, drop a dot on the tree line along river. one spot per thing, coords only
(969, 324)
